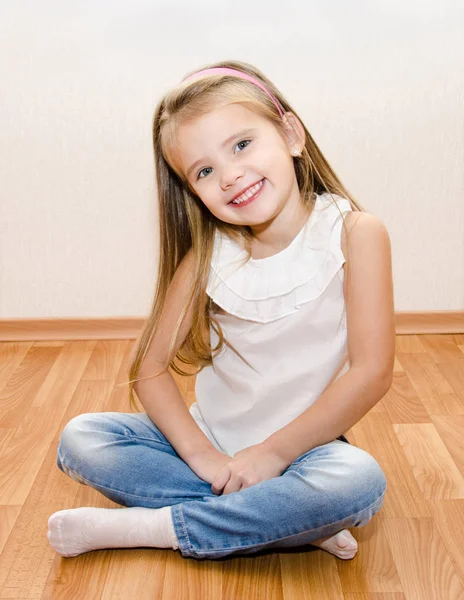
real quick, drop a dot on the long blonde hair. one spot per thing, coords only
(184, 221)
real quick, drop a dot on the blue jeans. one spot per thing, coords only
(127, 459)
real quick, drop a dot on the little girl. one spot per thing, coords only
(254, 228)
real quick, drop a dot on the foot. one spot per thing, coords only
(74, 531)
(342, 544)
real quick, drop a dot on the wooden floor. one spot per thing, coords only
(412, 549)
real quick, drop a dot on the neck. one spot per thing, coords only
(276, 234)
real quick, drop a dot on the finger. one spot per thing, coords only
(233, 485)
(222, 477)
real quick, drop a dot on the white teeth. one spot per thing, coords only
(248, 193)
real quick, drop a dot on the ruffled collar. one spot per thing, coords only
(270, 288)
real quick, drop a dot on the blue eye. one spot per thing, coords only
(243, 142)
(206, 168)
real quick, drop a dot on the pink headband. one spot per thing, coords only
(241, 75)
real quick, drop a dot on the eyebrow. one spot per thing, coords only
(227, 141)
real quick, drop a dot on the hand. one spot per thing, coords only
(207, 463)
(248, 467)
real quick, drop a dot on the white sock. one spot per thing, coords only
(342, 544)
(77, 530)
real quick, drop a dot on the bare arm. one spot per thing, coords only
(371, 345)
(160, 396)
(165, 406)
(341, 405)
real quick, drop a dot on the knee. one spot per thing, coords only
(368, 473)
(372, 488)
(76, 426)
(74, 438)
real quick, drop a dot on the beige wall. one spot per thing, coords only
(379, 85)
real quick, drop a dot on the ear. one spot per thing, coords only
(294, 131)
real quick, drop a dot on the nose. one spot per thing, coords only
(230, 175)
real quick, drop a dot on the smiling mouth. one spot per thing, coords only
(257, 191)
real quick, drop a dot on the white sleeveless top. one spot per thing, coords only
(286, 319)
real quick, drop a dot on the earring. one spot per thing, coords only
(296, 152)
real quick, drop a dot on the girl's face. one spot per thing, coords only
(230, 149)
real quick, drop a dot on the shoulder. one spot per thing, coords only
(361, 230)
(369, 296)
(183, 276)
(187, 263)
